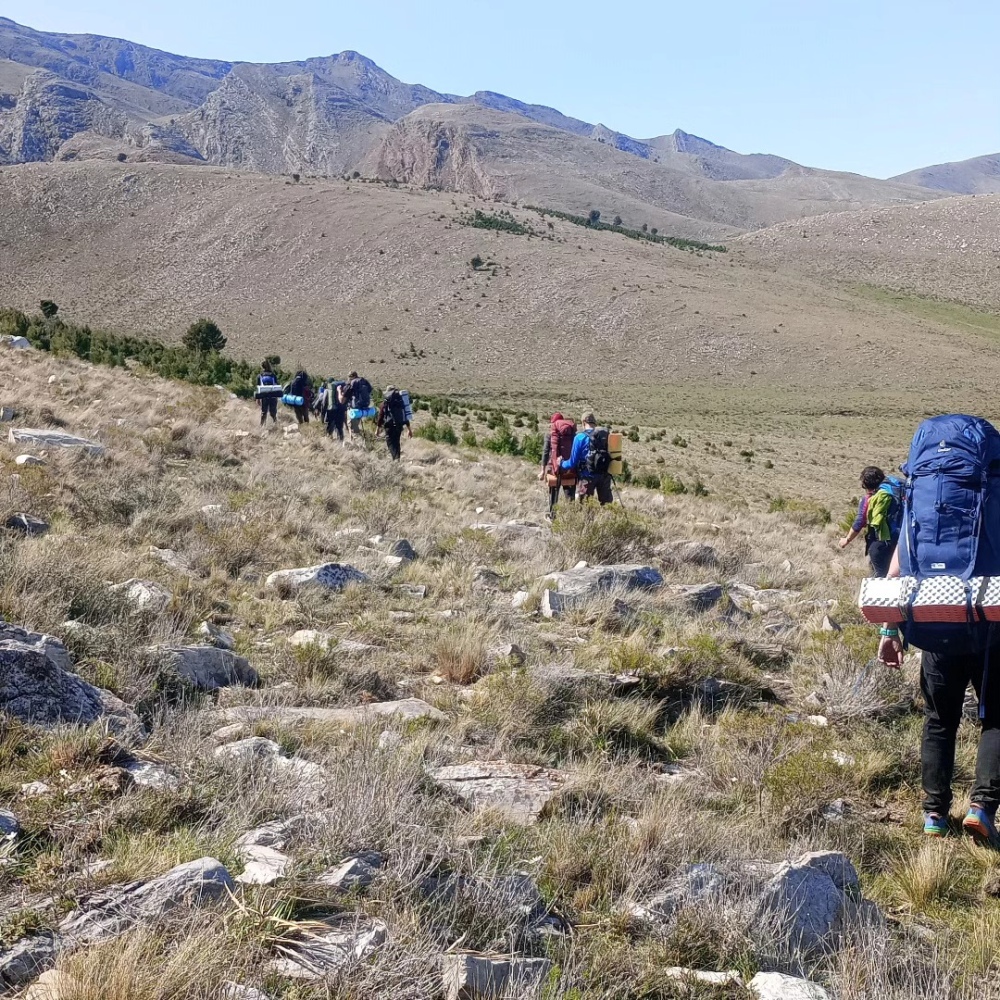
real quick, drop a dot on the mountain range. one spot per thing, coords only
(86, 97)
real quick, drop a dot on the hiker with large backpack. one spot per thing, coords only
(267, 392)
(298, 395)
(590, 459)
(335, 413)
(557, 448)
(951, 536)
(393, 417)
(880, 517)
(356, 395)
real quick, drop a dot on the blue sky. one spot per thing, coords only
(878, 87)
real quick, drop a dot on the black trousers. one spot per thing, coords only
(944, 678)
(880, 555)
(599, 487)
(268, 408)
(569, 492)
(392, 440)
(336, 418)
(301, 413)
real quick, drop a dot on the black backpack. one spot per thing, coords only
(361, 393)
(598, 459)
(395, 409)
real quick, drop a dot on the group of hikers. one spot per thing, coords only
(943, 524)
(577, 462)
(342, 405)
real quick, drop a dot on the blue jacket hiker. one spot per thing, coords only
(590, 460)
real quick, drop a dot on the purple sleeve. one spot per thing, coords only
(862, 518)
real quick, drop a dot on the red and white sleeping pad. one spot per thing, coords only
(934, 599)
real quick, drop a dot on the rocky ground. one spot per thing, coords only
(279, 719)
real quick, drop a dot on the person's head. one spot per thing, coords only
(352, 374)
(265, 366)
(872, 478)
(390, 389)
(588, 420)
(555, 417)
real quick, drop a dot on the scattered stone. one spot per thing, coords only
(226, 734)
(403, 549)
(407, 709)
(37, 687)
(35, 789)
(52, 985)
(216, 636)
(479, 977)
(509, 529)
(577, 586)
(730, 978)
(320, 953)
(389, 740)
(354, 873)
(485, 580)
(144, 595)
(18, 343)
(697, 597)
(9, 827)
(520, 791)
(27, 959)
(251, 749)
(761, 654)
(53, 439)
(393, 562)
(236, 991)
(206, 668)
(170, 558)
(829, 625)
(264, 865)
(330, 576)
(327, 640)
(148, 775)
(693, 885)
(688, 552)
(758, 602)
(115, 910)
(29, 460)
(520, 599)
(25, 524)
(835, 811)
(777, 986)
(509, 652)
(414, 591)
(6, 414)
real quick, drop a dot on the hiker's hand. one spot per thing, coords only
(890, 652)
(844, 542)
(541, 476)
(409, 432)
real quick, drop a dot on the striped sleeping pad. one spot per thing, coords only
(934, 599)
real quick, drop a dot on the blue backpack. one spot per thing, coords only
(951, 518)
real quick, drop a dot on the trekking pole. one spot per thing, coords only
(618, 492)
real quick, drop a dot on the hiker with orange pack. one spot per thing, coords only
(558, 446)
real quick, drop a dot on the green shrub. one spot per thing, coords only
(807, 513)
(601, 534)
(504, 441)
(428, 431)
(531, 447)
(679, 442)
(204, 335)
(671, 485)
(469, 439)
(446, 434)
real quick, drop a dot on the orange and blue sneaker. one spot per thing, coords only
(979, 824)
(935, 825)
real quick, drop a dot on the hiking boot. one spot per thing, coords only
(979, 824)
(935, 825)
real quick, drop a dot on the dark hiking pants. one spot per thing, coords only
(599, 487)
(336, 417)
(880, 556)
(268, 408)
(392, 437)
(302, 413)
(569, 492)
(944, 678)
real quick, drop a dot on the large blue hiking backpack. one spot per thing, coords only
(951, 519)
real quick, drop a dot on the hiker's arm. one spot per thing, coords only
(574, 458)
(859, 524)
(890, 647)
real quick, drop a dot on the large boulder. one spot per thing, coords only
(9, 827)
(519, 791)
(144, 595)
(328, 576)
(36, 685)
(118, 908)
(26, 524)
(208, 668)
(480, 977)
(586, 582)
(321, 952)
(328, 641)
(52, 439)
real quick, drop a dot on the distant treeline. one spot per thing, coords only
(202, 364)
(593, 221)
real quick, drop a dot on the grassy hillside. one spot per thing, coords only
(705, 755)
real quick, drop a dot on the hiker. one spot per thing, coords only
(301, 386)
(392, 418)
(952, 530)
(880, 517)
(268, 403)
(557, 447)
(590, 460)
(335, 414)
(356, 395)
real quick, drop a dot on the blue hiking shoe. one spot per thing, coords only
(935, 826)
(979, 824)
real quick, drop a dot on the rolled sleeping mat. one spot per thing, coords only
(368, 414)
(289, 400)
(615, 451)
(933, 599)
(266, 391)
(407, 404)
